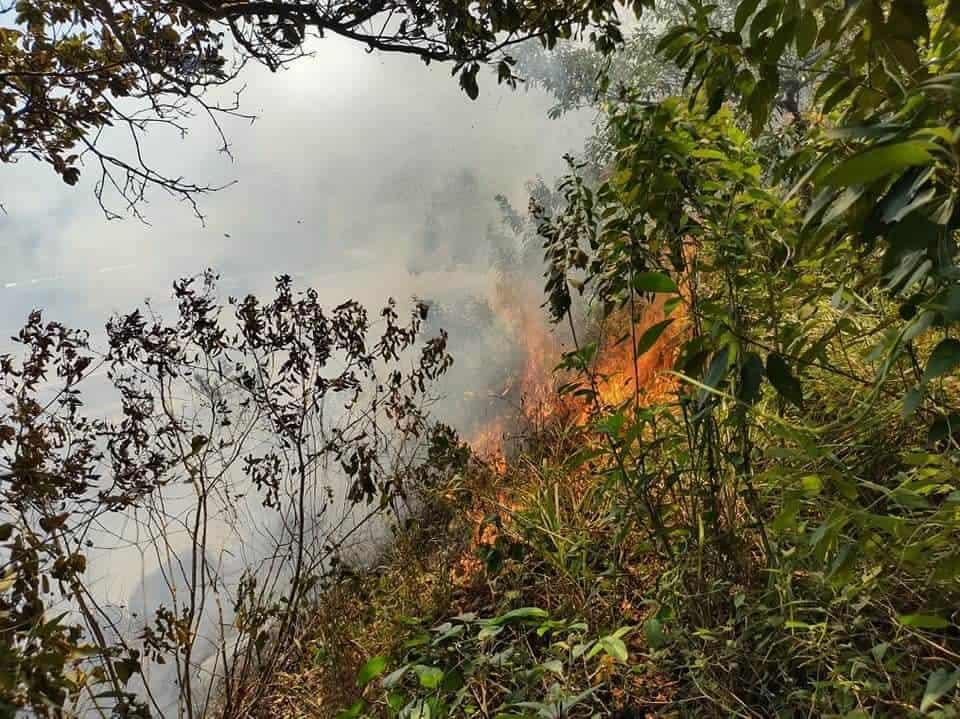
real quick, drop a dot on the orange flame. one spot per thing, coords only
(619, 370)
(529, 394)
(534, 385)
(488, 444)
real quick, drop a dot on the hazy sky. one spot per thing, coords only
(333, 181)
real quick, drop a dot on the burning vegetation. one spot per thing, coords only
(532, 395)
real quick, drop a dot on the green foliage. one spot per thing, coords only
(371, 670)
(940, 682)
(519, 664)
(796, 207)
(807, 524)
(778, 372)
(63, 474)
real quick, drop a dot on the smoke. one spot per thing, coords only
(335, 181)
(364, 176)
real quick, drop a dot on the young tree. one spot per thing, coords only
(251, 439)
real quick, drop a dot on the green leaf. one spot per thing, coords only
(522, 614)
(396, 700)
(938, 684)
(913, 234)
(918, 325)
(781, 38)
(615, 647)
(715, 101)
(649, 338)
(943, 360)
(923, 621)
(394, 677)
(778, 372)
(806, 33)
(670, 305)
(371, 670)
(653, 282)
(489, 632)
(812, 485)
(911, 401)
(672, 36)
(708, 153)
(905, 195)
(859, 132)
(763, 95)
(578, 459)
(430, 677)
(843, 202)
(865, 167)
(718, 368)
(751, 377)
(554, 665)
(623, 177)
(611, 424)
(452, 681)
(579, 649)
(745, 11)
(764, 19)
(908, 19)
(653, 630)
(879, 651)
(787, 516)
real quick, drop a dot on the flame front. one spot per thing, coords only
(619, 369)
(529, 395)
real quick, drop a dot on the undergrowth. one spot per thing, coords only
(512, 594)
(536, 593)
(773, 534)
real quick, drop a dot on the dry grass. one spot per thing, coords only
(429, 570)
(434, 570)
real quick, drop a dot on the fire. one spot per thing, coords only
(620, 371)
(531, 392)
(528, 396)
(535, 387)
(488, 444)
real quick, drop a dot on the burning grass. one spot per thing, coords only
(528, 533)
(532, 535)
(623, 370)
(519, 528)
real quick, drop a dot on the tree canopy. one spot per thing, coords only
(71, 68)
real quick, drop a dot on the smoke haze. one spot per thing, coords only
(335, 181)
(364, 176)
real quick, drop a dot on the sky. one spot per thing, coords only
(332, 184)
